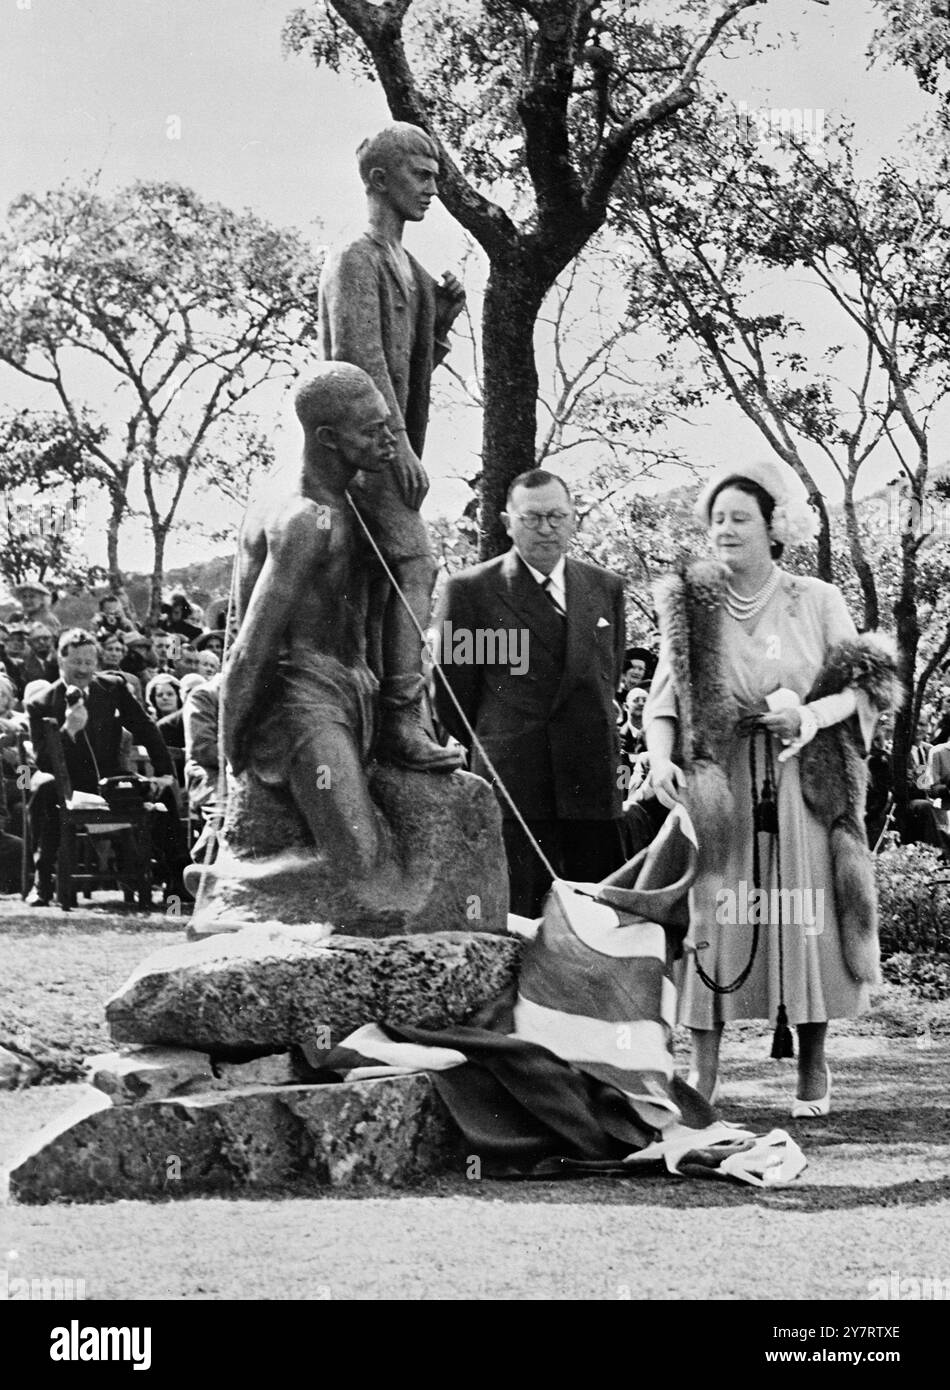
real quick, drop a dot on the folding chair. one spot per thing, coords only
(77, 864)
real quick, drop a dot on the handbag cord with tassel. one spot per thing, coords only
(764, 821)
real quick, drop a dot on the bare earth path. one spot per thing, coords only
(874, 1202)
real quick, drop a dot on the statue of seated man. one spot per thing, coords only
(298, 697)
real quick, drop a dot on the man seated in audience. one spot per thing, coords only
(936, 781)
(14, 652)
(91, 711)
(137, 655)
(11, 846)
(200, 717)
(632, 738)
(878, 800)
(39, 663)
(202, 764)
(14, 728)
(111, 618)
(111, 656)
(37, 602)
(187, 663)
(166, 649)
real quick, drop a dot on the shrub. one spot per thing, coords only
(927, 976)
(914, 902)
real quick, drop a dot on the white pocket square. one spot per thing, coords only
(602, 622)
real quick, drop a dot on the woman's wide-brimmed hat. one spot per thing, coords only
(211, 634)
(794, 521)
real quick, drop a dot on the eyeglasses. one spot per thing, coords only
(533, 519)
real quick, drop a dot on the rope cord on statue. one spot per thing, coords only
(221, 789)
(476, 742)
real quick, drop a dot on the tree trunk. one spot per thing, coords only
(825, 570)
(116, 512)
(908, 637)
(862, 569)
(513, 297)
(159, 535)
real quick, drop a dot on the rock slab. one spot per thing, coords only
(394, 1130)
(156, 1073)
(446, 870)
(267, 988)
(17, 1069)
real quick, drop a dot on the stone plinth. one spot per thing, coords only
(394, 1130)
(446, 871)
(267, 988)
(157, 1073)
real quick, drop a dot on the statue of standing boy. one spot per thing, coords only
(381, 311)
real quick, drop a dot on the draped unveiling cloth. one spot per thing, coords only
(573, 1072)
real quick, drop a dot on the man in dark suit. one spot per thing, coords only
(380, 310)
(91, 711)
(532, 646)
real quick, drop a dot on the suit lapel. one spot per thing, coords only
(583, 610)
(521, 592)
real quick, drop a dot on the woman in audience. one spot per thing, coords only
(163, 696)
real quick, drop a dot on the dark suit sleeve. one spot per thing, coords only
(141, 728)
(620, 633)
(456, 613)
(37, 710)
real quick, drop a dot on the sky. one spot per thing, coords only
(200, 92)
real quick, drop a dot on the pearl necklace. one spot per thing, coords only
(741, 607)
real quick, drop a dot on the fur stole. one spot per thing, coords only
(832, 767)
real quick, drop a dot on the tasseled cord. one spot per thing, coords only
(782, 1042)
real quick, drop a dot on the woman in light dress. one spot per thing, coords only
(753, 653)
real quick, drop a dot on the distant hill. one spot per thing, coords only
(203, 583)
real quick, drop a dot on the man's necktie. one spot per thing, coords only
(546, 586)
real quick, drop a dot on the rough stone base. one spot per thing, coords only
(447, 870)
(158, 1073)
(17, 1069)
(394, 1130)
(267, 988)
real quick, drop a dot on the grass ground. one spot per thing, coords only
(874, 1200)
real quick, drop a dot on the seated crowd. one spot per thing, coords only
(150, 700)
(119, 694)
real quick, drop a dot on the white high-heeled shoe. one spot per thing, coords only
(811, 1109)
(691, 1080)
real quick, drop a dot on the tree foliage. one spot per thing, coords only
(43, 476)
(722, 230)
(537, 105)
(178, 308)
